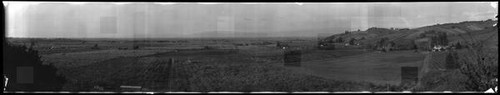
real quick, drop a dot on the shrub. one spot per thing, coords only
(351, 41)
(479, 64)
(207, 47)
(136, 47)
(451, 62)
(339, 40)
(479, 67)
(95, 47)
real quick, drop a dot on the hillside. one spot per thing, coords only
(478, 29)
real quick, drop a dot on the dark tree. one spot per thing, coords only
(443, 39)
(362, 38)
(207, 47)
(339, 40)
(17, 59)
(331, 41)
(382, 42)
(351, 41)
(414, 46)
(95, 46)
(438, 38)
(392, 44)
(136, 47)
(458, 46)
(32, 43)
(451, 60)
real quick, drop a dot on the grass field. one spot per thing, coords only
(379, 68)
(225, 67)
(75, 59)
(209, 70)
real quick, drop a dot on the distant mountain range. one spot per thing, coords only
(239, 34)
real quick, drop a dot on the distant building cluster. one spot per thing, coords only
(440, 48)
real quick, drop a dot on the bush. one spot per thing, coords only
(136, 47)
(95, 47)
(480, 67)
(479, 64)
(339, 40)
(207, 47)
(451, 60)
(45, 77)
(352, 41)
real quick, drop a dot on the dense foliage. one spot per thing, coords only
(45, 77)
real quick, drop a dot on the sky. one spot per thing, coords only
(194, 20)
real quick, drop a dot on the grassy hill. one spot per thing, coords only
(478, 29)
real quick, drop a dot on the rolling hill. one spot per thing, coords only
(477, 29)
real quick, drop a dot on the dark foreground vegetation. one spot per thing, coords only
(24, 68)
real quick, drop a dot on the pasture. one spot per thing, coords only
(223, 66)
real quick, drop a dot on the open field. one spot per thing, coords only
(379, 68)
(206, 70)
(75, 59)
(225, 66)
(256, 67)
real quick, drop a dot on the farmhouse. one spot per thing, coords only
(440, 48)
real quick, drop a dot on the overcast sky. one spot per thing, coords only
(149, 20)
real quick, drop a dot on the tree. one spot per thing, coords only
(443, 39)
(451, 60)
(438, 38)
(339, 40)
(391, 45)
(362, 38)
(458, 46)
(32, 43)
(414, 46)
(207, 47)
(381, 42)
(136, 47)
(45, 77)
(95, 46)
(478, 63)
(352, 41)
